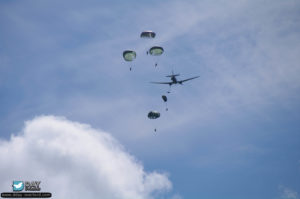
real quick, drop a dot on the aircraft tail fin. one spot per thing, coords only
(173, 75)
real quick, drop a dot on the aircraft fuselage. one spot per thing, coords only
(174, 80)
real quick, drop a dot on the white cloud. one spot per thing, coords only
(74, 160)
(246, 54)
(288, 193)
(248, 60)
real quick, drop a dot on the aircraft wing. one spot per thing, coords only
(170, 83)
(188, 79)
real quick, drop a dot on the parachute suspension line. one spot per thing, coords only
(169, 91)
(156, 51)
(130, 66)
(153, 115)
(155, 61)
(129, 56)
(166, 101)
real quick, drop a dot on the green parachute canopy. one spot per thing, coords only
(148, 34)
(129, 55)
(156, 50)
(153, 115)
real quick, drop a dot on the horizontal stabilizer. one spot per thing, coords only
(173, 75)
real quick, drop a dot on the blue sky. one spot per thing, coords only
(232, 133)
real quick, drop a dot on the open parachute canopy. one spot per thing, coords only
(156, 50)
(153, 115)
(129, 55)
(164, 98)
(148, 34)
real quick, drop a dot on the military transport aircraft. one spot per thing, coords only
(174, 80)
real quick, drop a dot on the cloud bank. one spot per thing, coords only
(288, 193)
(74, 160)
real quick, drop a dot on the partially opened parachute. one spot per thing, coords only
(148, 34)
(156, 51)
(129, 55)
(153, 115)
(165, 100)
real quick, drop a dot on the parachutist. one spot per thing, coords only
(156, 51)
(165, 100)
(129, 55)
(153, 115)
(147, 52)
